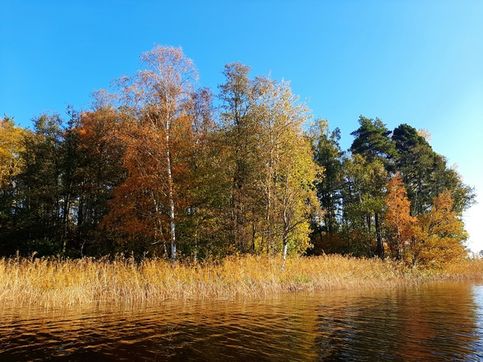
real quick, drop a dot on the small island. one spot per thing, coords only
(156, 193)
(241, 180)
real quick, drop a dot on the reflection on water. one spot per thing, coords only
(436, 322)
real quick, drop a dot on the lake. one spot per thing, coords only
(441, 321)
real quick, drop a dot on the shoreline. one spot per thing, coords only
(49, 282)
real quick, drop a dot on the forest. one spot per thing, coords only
(160, 167)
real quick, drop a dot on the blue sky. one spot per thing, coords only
(419, 62)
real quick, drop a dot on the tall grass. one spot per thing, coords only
(52, 282)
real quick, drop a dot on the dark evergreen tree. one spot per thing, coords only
(373, 143)
(328, 155)
(372, 140)
(39, 218)
(426, 173)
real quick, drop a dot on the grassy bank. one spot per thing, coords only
(51, 282)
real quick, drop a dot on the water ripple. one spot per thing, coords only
(436, 322)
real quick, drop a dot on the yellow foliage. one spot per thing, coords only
(440, 234)
(11, 146)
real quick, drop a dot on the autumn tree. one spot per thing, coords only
(297, 196)
(157, 134)
(286, 169)
(11, 147)
(398, 223)
(440, 234)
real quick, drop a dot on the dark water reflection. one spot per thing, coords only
(436, 322)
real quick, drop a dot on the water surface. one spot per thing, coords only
(437, 322)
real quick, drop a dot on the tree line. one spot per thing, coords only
(158, 167)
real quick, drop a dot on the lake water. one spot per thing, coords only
(437, 322)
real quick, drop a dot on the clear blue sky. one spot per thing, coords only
(419, 62)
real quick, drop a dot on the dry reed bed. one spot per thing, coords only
(55, 282)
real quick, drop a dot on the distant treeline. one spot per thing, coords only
(155, 169)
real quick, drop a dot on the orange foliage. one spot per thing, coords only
(156, 130)
(399, 224)
(140, 202)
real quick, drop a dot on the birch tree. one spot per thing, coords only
(288, 172)
(156, 128)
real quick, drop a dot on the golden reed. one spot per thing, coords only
(67, 282)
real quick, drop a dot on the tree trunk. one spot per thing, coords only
(268, 211)
(65, 219)
(285, 247)
(254, 234)
(379, 245)
(172, 224)
(269, 193)
(286, 229)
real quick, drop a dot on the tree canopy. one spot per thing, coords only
(159, 166)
